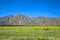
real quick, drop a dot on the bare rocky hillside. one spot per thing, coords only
(25, 20)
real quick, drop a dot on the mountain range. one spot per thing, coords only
(25, 20)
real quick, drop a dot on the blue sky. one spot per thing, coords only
(31, 8)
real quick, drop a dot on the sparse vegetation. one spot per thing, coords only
(29, 32)
(25, 20)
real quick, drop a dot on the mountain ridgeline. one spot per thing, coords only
(25, 20)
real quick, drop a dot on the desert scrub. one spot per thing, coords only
(28, 32)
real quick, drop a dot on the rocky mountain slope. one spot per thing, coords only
(25, 20)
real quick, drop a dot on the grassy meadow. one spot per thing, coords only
(29, 32)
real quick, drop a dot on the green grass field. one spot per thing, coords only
(29, 32)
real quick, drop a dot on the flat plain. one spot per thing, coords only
(29, 32)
